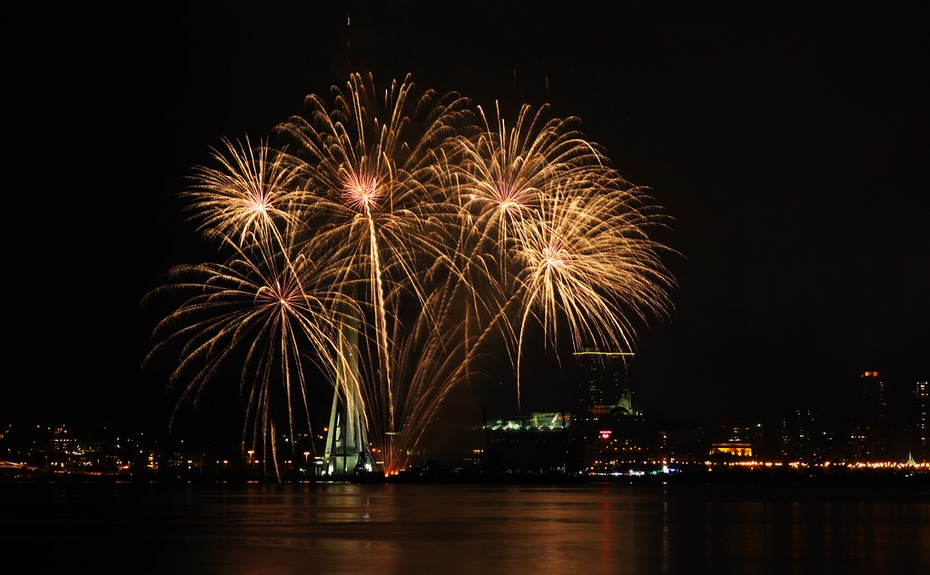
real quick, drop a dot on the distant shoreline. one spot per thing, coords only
(696, 475)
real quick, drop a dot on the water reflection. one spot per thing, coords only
(404, 529)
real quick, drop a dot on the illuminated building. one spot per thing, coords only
(615, 434)
(537, 444)
(737, 448)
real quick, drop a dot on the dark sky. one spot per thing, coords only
(791, 145)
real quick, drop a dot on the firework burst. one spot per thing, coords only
(248, 195)
(389, 240)
(258, 314)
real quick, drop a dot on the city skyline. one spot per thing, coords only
(591, 442)
(794, 165)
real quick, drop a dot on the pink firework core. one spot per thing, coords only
(555, 256)
(361, 191)
(279, 296)
(510, 199)
(260, 201)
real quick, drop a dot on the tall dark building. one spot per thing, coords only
(873, 418)
(919, 429)
(604, 382)
(797, 436)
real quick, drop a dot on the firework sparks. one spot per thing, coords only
(390, 241)
(256, 313)
(247, 195)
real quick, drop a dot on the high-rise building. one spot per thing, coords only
(604, 382)
(797, 429)
(873, 418)
(919, 436)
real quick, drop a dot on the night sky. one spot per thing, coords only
(791, 145)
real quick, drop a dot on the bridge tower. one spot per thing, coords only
(347, 454)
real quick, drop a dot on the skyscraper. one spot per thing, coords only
(873, 417)
(604, 381)
(919, 429)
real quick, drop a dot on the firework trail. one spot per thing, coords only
(370, 198)
(392, 237)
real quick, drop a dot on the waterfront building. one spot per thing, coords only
(732, 448)
(872, 436)
(604, 382)
(919, 431)
(540, 443)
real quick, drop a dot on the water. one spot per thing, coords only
(451, 529)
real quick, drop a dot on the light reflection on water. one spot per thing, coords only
(449, 529)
